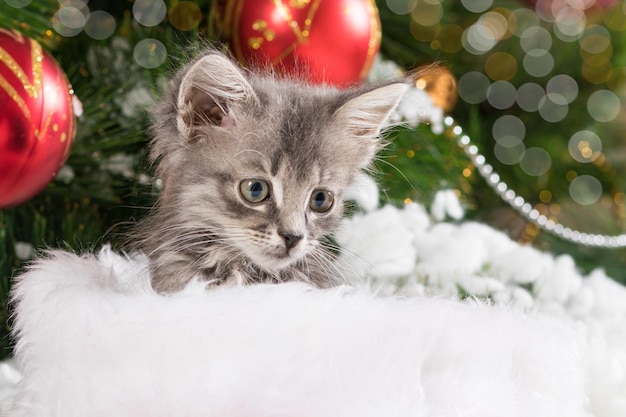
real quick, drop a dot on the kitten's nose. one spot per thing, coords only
(291, 238)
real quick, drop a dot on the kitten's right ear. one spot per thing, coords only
(363, 117)
(211, 92)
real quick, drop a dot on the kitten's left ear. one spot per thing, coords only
(212, 93)
(364, 117)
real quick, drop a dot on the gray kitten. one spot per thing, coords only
(254, 169)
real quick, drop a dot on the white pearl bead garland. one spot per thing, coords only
(518, 202)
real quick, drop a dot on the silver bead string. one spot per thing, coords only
(519, 204)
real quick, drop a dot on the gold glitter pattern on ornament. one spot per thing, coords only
(19, 101)
(375, 37)
(48, 125)
(37, 71)
(301, 33)
(299, 4)
(33, 89)
(268, 34)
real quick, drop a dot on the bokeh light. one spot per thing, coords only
(150, 53)
(472, 87)
(496, 23)
(585, 190)
(427, 12)
(449, 38)
(483, 35)
(100, 25)
(563, 85)
(508, 130)
(594, 47)
(424, 33)
(509, 155)
(569, 24)
(595, 40)
(597, 73)
(476, 6)
(529, 95)
(501, 94)
(477, 40)
(603, 105)
(585, 146)
(69, 21)
(400, 7)
(553, 108)
(524, 19)
(596, 52)
(149, 12)
(501, 66)
(615, 17)
(71, 17)
(18, 4)
(535, 37)
(538, 62)
(185, 15)
(536, 161)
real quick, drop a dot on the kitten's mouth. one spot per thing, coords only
(286, 256)
(276, 260)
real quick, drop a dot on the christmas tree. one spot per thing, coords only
(540, 87)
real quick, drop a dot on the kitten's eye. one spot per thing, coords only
(255, 191)
(321, 201)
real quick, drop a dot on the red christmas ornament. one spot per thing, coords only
(326, 41)
(37, 123)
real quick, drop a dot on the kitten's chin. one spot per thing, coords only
(275, 262)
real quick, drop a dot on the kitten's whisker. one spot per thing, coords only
(402, 174)
(326, 263)
(234, 158)
(372, 270)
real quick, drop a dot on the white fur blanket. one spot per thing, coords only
(94, 340)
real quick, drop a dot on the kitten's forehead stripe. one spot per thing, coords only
(225, 177)
(276, 162)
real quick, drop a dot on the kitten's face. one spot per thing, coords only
(258, 166)
(266, 199)
(268, 192)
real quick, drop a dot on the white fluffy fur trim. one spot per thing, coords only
(94, 340)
